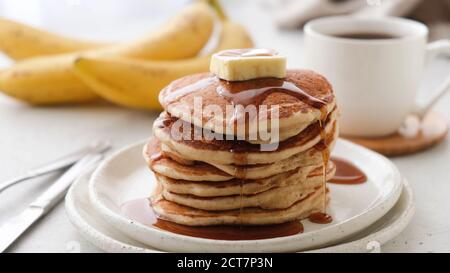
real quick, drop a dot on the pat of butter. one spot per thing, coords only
(247, 64)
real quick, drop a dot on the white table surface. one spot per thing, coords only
(31, 136)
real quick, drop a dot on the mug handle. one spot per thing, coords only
(434, 49)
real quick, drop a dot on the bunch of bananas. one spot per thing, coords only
(52, 69)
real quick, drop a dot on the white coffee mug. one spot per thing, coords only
(375, 80)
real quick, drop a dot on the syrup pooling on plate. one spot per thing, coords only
(320, 218)
(347, 173)
(140, 210)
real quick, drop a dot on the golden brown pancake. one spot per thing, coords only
(277, 197)
(294, 113)
(238, 152)
(311, 176)
(200, 171)
(185, 215)
(165, 165)
(232, 178)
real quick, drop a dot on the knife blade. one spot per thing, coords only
(15, 227)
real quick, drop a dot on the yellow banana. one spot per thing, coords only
(182, 37)
(29, 81)
(19, 41)
(50, 80)
(136, 83)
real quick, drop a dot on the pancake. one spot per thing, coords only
(200, 171)
(311, 175)
(185, 215)
(210, 172)
(295, 113)
(238, 152)
(165, 165)
(310, 157)
(275, 198)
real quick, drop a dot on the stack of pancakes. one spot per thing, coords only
(227, 181)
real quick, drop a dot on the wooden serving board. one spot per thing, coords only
(433, 130)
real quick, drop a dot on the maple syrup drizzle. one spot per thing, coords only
(243, 93)
(172, 96)
(248, 52)
(240, 159)
(141, 211)
(239, 94)
(241, 172)
(323, 217)
(241, 197)
(347, 173)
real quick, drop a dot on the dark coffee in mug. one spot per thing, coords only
(376, 73)
(366, 36)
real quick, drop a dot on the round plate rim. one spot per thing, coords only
(124, 224)
(89, 231)
(110, 244)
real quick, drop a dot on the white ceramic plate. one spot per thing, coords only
(82, 215)
(99, 233)
(125, 176)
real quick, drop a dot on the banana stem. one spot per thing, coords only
(218, 7)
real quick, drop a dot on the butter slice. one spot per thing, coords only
(247, 64)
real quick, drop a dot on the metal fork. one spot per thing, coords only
(58, 164)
